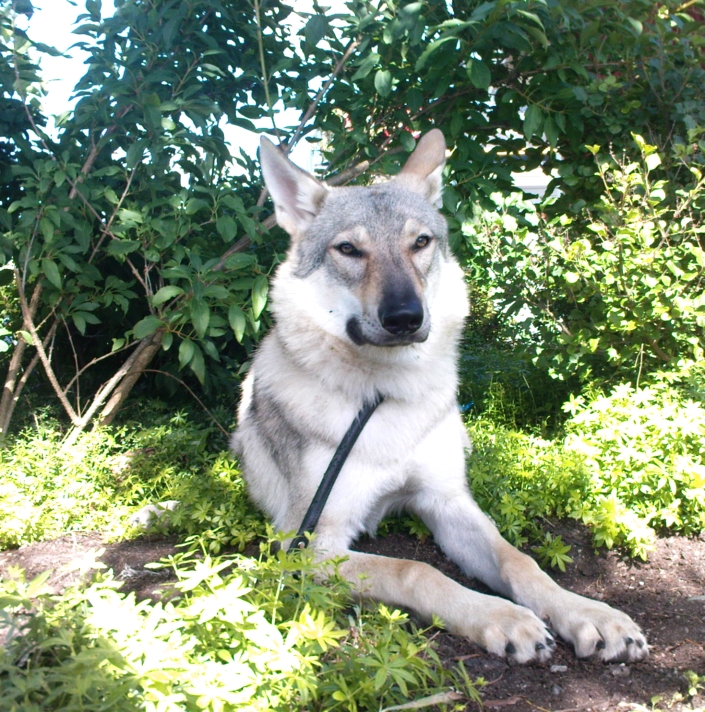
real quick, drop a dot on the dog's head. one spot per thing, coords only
(375, 248)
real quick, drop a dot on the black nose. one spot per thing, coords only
(401, 318)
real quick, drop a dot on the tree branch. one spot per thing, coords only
(29, 322)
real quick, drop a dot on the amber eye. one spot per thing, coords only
(348, 249)
(422, 241)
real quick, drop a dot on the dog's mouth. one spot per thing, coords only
(381, 337)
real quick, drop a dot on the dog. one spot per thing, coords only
(368, 301)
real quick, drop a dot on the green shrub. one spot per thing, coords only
(644, 448)
(501, 384)
(630, 465)
(615, 290)
(239, 634)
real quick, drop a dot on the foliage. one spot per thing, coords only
(113, 472)
(138, 238)
(236, 634)
(501, 384)
(515, 85)
(133, 227)
(630, 465)
(521, 480)
(645, 448)
(16, 66)
(616, 291)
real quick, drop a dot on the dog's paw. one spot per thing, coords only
(596, 629)
(516, 633)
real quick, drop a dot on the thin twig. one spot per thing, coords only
(311, 110)
(109, 224)
(95, 149)
(263, 67)
(198, 400)
(76, 366)
(94, 361)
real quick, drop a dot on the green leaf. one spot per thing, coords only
(68, 262)
(47, 228)
(652, 161)
(211, 350)
(186, 349)
(237, 320)
(165, 294)
(532, 121)
(198, 365)
(79, 322)
(259, 295)
(111, 196)
(239, 261)
(551, 131)
(167, 340)
(407, 141)
(367, 65)
(52, 272)
(383, 82)
(636, 26)
(316, 29)
(216, 291)
(134, 154)
(421, 61)
(123, 247)
(227, 227)
(200, 316)
(147, 326)
(130, 216)
(479, 74)
(195, 204)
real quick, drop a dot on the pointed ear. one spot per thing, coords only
(423, 171)
(297, 195)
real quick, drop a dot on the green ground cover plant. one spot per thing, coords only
(236, 634)
(630, 465)
(47, 490)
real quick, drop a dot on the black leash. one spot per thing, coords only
(300, 541)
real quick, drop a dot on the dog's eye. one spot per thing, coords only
(422, 241)
(348, 249)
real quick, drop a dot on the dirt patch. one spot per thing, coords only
(665, 595)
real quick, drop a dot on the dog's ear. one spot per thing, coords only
(297, 195)
(423, 171)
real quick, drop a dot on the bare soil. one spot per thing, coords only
(666, 595)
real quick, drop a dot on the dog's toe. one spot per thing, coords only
(597, 630)
(519, 636)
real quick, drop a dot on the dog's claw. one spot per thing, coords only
(600, 645)
(540, 646)
(629, 641)
(509, 649)
(550, 642)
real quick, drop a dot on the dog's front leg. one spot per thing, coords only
(499, 626)
(469, 538)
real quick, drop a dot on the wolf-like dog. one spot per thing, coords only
(370, 301)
